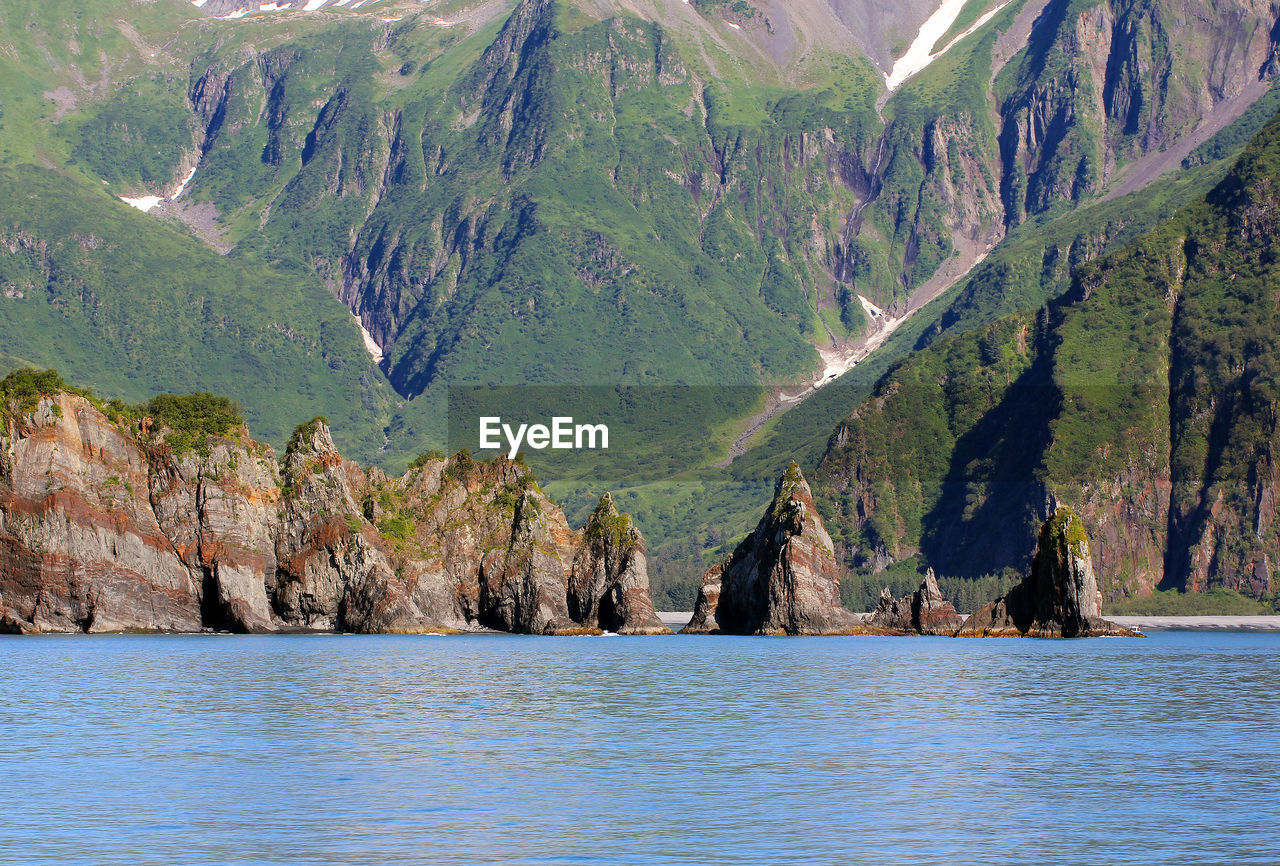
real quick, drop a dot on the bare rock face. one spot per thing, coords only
(480, 540)
(80, 547)
(931, 613)
(783, 579)
(104, 527)
(1060, 597)
(925, 611)
(229, 550)
(336, 571)
(609, 583)
(892, 614)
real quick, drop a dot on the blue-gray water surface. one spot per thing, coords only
(325, 749)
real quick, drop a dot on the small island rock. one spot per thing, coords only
(1059, 598)
(782, 579)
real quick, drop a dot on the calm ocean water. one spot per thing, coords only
(823, 750)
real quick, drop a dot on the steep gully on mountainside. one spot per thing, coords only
(837, 358)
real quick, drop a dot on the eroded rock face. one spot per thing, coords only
(105, 529)
(334, 571)
(892, 614)
(80, 547)
(229, 550)
(609, 584)
(1059, 598)
(783, 579)
(932, 613)
(925, 611)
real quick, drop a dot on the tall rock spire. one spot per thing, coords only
(783, 579)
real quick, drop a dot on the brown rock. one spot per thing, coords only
(893, 614)
(335, 571)
(229, 547)
(783, 579)
(609, 584)
(925, 611)
(104, 528)
(1059, 598)
(931, 613)
(80, 547)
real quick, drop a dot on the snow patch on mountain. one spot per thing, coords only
(375, 351)
(921, 53)
(145, 203)
(230, 10)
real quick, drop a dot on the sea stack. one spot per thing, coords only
(783, 579)
(925, 611)
(609, 583)
(1059, 598)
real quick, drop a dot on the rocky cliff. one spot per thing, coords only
(925, 611)
(782, 579)
(1059, 598)
(110, 521)
(1146, 395)
(609, 583)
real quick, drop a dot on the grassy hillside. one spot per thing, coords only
(1145, 396)
(559, 193)
(124, 302)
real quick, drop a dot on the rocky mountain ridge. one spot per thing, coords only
(609, 192)
(106, 526)
(1146, 396)
(821, 198)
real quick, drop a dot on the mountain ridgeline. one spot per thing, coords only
(614, 199)
(583, 186)
(706, 193)
(1146, 397)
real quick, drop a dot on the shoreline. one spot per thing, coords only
(1199, 623)
(678, 619)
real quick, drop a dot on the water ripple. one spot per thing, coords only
(500, 749)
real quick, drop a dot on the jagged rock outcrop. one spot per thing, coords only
(1059, 598)
(783, 579)
(925, 611)
(609, 584)
(106, 526)
(80, 546)
(335, 572)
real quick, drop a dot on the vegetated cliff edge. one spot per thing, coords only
(1059, 598)
(1147, 395)
(114, 519)
(783, 579)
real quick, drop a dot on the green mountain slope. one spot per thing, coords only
(124, 302)
(135, 306)
(1146, 396)
(562, 192)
